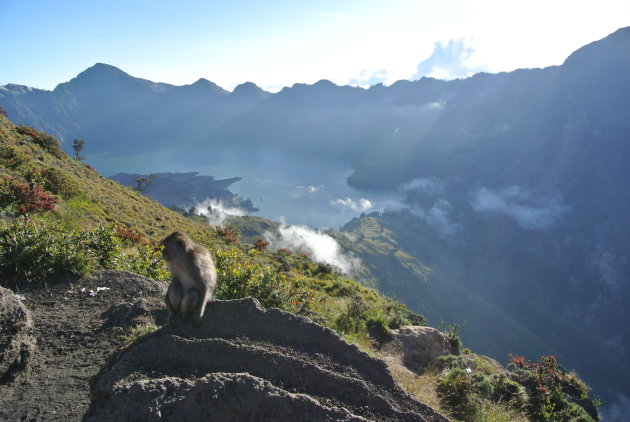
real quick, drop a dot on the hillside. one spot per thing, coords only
(70, 222)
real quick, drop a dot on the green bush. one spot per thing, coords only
(376, 321)
(554, 395)
(60, 182)
(147, 262)
(32, 249)
(506, 390)
(457, 390)
(353, 319)
(399, 315)
(240, 278)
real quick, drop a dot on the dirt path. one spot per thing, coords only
(75, 335)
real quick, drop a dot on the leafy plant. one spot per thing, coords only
(457, 390)
(32, 249)
(147, 262)
(22, 198)
(453, 331)
(138, 332)
(261, 244)
(554, 395)
(240, 278)
(353, 319)
(229, 234)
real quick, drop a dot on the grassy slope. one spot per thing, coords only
(94, 200)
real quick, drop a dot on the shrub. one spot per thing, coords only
(30, 249)
(147, 262)
(46, 141)
(21, 198)
(399, 316)
(553, 393)
(457, 390)
(453, 332)
(506, 390)
(284, 251)
(340, 289)
(59, 182)
(260, 244)
(353, 319)
(229, 234)
(376, 321)
(239, 278)
(129, 235)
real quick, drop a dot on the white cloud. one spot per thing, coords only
(319, 246)
(216, 211)
(368, 78)
(438, 218)
(529, 211)
(448, 61)
(348, 203)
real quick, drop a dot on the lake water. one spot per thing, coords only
(283, 187)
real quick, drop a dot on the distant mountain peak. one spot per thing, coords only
(102, 69)
(249, 89)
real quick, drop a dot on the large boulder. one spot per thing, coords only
(17, 343)
(422, 345)
(248, 363)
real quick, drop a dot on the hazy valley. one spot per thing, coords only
(500, 200)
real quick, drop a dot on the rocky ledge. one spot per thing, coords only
(245, 363)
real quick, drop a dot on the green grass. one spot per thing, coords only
(138, 332)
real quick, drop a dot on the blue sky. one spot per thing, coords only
(278, 43)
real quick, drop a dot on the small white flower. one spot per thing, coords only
(468, 370)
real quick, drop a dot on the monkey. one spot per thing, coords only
(193, 277)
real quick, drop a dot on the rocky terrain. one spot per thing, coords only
(63, 357)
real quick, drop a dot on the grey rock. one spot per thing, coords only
(250, 363)
(422, 345)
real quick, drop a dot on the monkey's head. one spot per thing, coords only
(175, 246)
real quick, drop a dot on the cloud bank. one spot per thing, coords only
(422, 184)
(529, 211)
(319, 246)
(216, 211)
(368, 78)
(347, 203)
(438, 218)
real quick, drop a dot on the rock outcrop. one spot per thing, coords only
(247, 363)
(422, 345)
(17, 343)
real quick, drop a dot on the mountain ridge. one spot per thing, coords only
(524, 170)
